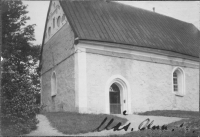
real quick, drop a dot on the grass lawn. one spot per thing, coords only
(190, 126)
(172, 113)
(74, 123)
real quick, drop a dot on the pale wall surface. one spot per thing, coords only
(150, 83)
(58, 56)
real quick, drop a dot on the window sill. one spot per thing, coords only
(53, 95)
(178, 94)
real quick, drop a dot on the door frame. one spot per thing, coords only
(125, 94)
(120, 96)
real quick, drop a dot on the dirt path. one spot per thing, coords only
(45, 129)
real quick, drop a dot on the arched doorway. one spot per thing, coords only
(117, 95)
(115, 99)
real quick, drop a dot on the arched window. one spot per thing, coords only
(63, 17)
(53, 22)
(58, 21)
(53, 84)
(49, 31)
(178, 82)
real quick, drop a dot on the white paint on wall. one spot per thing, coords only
(82, 80)
(150, 82)
(138, 53)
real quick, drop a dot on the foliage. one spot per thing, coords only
(18, 102)
(18, 98)
(16, 36)
(20, 79)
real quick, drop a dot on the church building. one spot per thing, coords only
(107, 57)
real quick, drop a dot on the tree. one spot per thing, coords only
(16, 36)
(20, 79)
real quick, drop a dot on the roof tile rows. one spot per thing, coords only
(118, 23)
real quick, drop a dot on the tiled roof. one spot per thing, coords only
(118, 23)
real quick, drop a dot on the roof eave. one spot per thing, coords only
(142, 49)
(40, 58)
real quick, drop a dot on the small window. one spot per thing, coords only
(178, 81)
(53, 22)
(49, 31)
(58, 21)
(53, 84)
(63, 17)
(175, 81)
(53, 90)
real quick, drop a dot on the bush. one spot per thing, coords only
(19, 128)
(20, 80)
(18, 104)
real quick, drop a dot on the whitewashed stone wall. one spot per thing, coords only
(58, 57)
(150, 84)
(65, 97)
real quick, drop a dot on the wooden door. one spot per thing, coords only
(115, 103)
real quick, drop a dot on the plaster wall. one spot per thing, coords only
(58, 57)
(65, 98)
(150, 84)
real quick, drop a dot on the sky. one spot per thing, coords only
(188, 11)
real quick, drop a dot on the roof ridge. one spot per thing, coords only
(131, 6)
